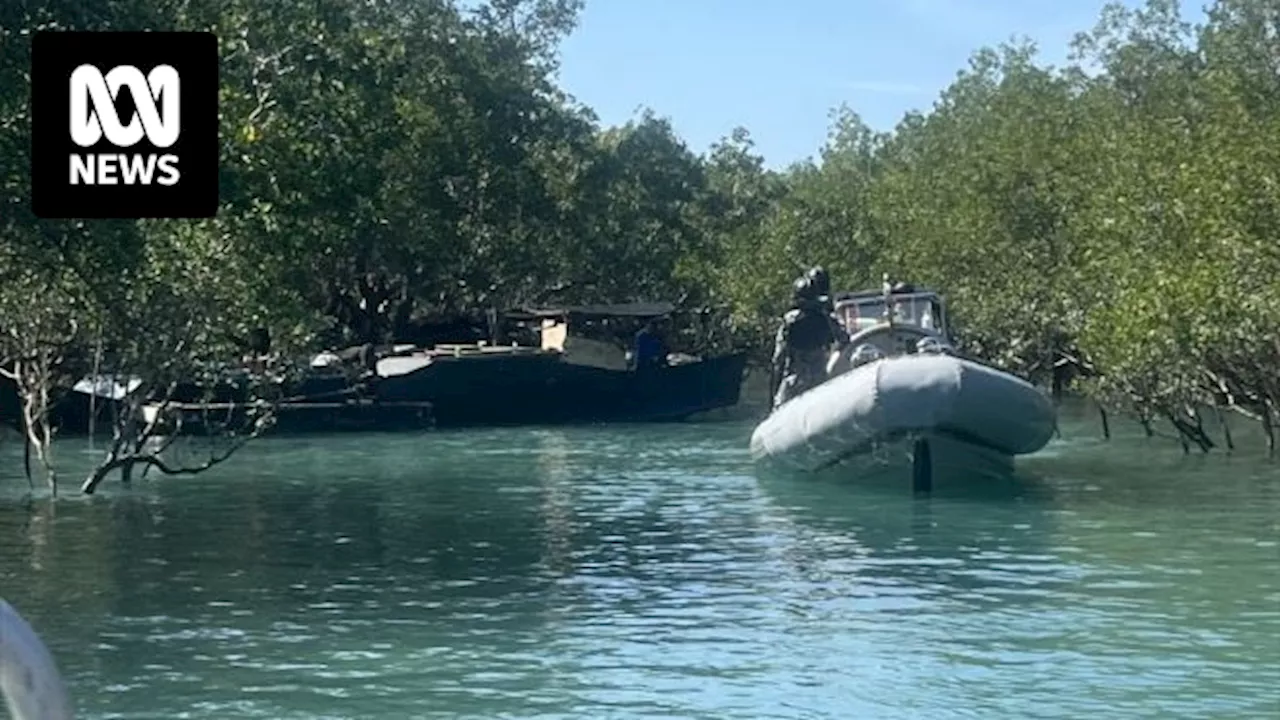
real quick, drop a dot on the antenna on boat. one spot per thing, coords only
(887, 289)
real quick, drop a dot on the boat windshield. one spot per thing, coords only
(921, 310)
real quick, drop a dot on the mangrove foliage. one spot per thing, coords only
(389, 167)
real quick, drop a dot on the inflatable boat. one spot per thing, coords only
(899, 384)
(33, 688)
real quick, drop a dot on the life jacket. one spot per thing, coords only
(808, 329)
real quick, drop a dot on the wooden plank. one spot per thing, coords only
(292, 405)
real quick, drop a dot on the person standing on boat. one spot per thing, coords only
(650, 351)
(821, 284)
(804, 342)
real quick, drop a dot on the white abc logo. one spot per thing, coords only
(89, 85)
(159, 125)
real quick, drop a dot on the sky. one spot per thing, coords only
(779, 67)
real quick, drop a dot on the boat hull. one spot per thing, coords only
(888, 402)
(542, 389)
(513, 389)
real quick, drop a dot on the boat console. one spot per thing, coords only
(923, 309)
(898, 321)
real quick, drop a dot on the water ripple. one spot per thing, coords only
(643, 573)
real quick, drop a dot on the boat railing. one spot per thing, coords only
(925, 310)
(887, 340)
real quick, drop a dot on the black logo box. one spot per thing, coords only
(55, 55)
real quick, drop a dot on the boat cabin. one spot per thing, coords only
(593, 335)
(905, 305)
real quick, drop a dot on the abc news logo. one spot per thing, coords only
(124, 125)
(93, 115)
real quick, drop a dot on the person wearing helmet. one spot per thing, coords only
(804, 341)
(820, 282)
(821, 285)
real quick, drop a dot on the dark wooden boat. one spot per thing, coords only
(545, 388)
(568, 378)
(319, 402)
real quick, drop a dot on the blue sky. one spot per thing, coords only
(778, 67)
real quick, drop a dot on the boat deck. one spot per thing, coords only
(403, 364)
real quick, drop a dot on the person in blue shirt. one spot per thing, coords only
(650, 351)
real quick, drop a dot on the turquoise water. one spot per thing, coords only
(646, 572)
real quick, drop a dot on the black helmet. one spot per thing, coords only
(802, 290)
(817, 276)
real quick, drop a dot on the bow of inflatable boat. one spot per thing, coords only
(32, 686)
(905, 397)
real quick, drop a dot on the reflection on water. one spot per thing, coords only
(980, 549)
(648, 572)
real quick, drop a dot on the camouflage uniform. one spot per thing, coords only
(805, 339)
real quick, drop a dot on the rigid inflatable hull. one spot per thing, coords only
(889, 400)
(29, 679)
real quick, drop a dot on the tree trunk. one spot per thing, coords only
(101, 472)
(33, 384)
(1226, 428)
(1269, 427)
